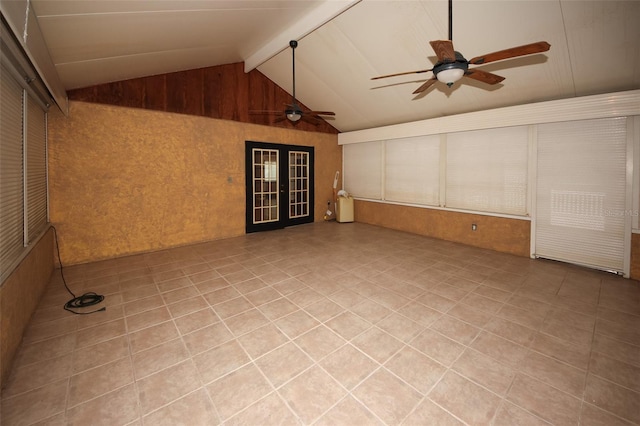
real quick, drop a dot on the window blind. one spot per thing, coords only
(581, 192)
(11, 177)
(363, 169)
(412, 170)
(486, 170)
(36, 170)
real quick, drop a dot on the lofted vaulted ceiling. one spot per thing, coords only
(595, 48)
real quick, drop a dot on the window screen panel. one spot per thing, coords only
(487, 170)
(412, 171)
(36, 171)
(363, 169)
(11, 177)
(581, 192)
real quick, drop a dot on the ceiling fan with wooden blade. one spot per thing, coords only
(452, 66)
(293, 111)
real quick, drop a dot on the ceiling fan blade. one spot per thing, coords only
(444, 50)
(425, 85)
(483, 76)
(527, 49)
(401, 73)
(319, 113)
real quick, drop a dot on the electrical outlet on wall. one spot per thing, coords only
(474, 227)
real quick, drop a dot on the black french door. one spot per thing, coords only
(279, 185)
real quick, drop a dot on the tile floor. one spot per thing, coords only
(332, 324)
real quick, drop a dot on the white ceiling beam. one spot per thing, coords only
(319, 16)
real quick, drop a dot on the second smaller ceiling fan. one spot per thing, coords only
(293, 111)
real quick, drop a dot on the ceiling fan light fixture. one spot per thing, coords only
(450, 75)
(293, 115)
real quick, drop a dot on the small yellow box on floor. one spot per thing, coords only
(344, 209)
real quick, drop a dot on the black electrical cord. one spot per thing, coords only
(87, 299)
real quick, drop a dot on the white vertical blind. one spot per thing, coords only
(486, 170)
(363, 166)
(36, 170)
(11, 178)
(581, 192)
(412, 170)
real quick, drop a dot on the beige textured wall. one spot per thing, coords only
(495, 233)
(19, 296)
(125, 180)
(635, 256)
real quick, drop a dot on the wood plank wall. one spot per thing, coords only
(224, 92)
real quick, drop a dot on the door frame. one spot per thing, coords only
(284, 219)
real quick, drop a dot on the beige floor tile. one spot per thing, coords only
(324, 309)
(465, 399)
(435, 301)
(277, 308)
(400, 327)
(196, 320)
(167, 385)
(420, 313)
(283, 363)
(262, 296)
(296, 323)
(221, 295)
(571, 353)
(388, 397)
(311, 394)
(438, 347)
(147, 319)
(349, 366)
(207, 338)
(594, 416)
(613, 398)
(187, 306)
(262, 340)
(616, 349)
(377, 344)
(428, 412)
(245, 322)
(238, 390)
(100, 380)
(220, 360)
(348, 325)
(232, 307)
(482, 303)
(510, 414)
(555, 373)
(455, 329)
(100, 333)
(270, 410)
(484, 370)
(109, 409)
(34, 405)
(193, 409)
(502, 350)
(348, 412)
(416, 369)
(152, 336)
(36, 375)
(511, 331)
(319, 342)
(159, 357)
(370, 310)
(544, 325)
(544, 401)
(468, 314)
